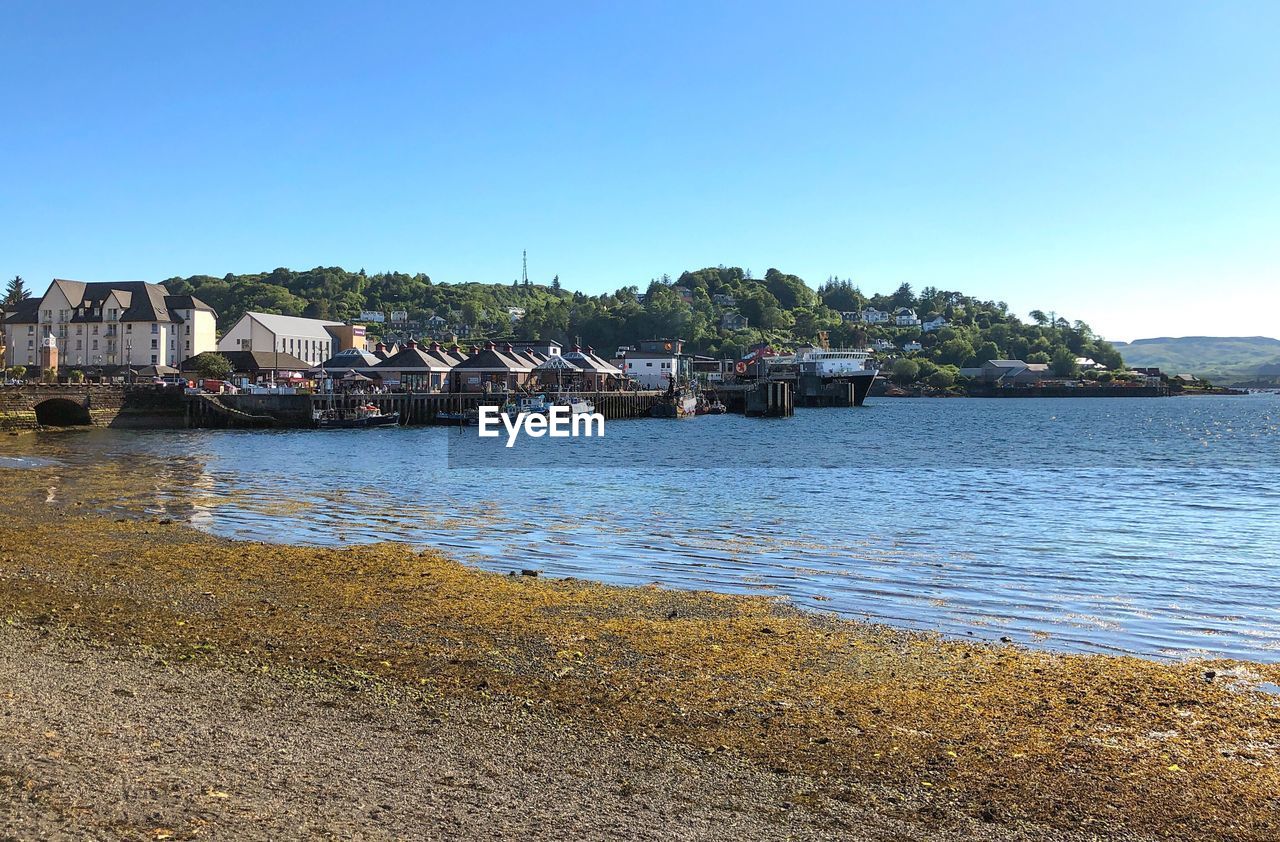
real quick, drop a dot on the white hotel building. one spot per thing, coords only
(109, 323)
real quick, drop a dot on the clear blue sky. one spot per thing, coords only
(1118, 162)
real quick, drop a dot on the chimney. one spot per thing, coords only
(507, 349)
(435, 347)
(575, 350)
(489, 346)
(381, 347)
(411, 344)
(455, 349)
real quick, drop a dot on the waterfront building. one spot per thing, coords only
(488, 369)
(414, 369)
(311, 340)
(255, 366)
(349, 359)
(1014, 372)
(102, 324)
(597, 374)
(652, 363)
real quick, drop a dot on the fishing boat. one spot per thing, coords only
(366, 415)
(526, 405)
(679, 403)
(576, 405)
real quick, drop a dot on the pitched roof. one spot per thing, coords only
(25, 312)
(141, 301)
(351, 358)
(414, 357)
(187, 302)
(490, 359)
(253, 361)
(294, 325)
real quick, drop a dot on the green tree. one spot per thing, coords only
(955, 352)
(943, 378)
(1064, 363)
(905, 371)
(16, 291)
(18, 372)
(211, 366)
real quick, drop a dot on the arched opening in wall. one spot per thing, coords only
(61, 412)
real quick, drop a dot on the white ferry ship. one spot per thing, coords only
(855, 365)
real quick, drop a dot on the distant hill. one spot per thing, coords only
(1223, 359)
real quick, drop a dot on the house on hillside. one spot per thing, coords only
(905, 317)
(733, 321)
(912, 346)
(936, 323)
(872, 316)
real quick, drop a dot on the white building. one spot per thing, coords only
(872, 316)
(110, 323)
(911, 346)
(905, 317)
(936, 323)
(310, 340)
(650, 369)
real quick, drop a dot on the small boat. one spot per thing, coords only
(713, 408)
(367, 415)
(576, 405)
(526, 405)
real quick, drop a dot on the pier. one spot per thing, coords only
(415, 408)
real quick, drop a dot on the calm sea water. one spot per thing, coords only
(1141, 526)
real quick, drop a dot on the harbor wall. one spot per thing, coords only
(33, 405)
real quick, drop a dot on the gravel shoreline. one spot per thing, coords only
(115, 742)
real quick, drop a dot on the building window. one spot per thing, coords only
(153, 359)
(155, 344)
(95, 330)
(31, 343)
(155, 328)
(128, 328)
(95, 344)
(79, 345)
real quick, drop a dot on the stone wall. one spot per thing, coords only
(103, 406)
